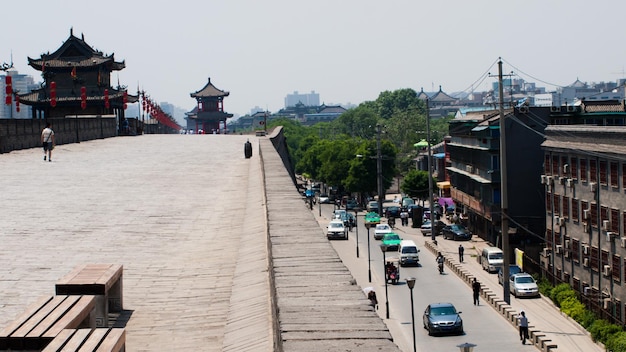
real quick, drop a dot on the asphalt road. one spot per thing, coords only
(483, 326)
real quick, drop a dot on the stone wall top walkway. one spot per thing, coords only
(319, 307)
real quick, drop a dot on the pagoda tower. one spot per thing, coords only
(208, 115)
(77, 82)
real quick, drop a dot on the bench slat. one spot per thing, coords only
(94, 340)
(32, 309)
(59, 341)
(74, 317)
(115, 340)
(93, 279)
(44, 324)
(77, 340)
(36, 318)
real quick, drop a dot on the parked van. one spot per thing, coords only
(492, 259)
(409, 254)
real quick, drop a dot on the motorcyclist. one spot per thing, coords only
(440, 260)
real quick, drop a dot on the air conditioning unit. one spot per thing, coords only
(586, 213)
(566, 254)
(585, 249)
(623, 242)
(605, 225)
(557, 220)
(586, 262)
(593, 186)
(585, 227)
(523, 109)
(555, 109)
(545, 252)
(610, 236)
(559, 249)
(561, 221)
(544, 180)
(571, 108)
(606, 303)
(567, 244)
(469, 168)
(565, 169)
(550, 180)
(606, 270)
(569, 183)
(562, 180)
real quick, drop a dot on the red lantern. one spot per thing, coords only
(106, 98)
(125, 100)
(17, 103)
(9, 89)
(83, 98)
(53, 94)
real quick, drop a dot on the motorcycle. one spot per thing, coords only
(440, 261)
(392, 270)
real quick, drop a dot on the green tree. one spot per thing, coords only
(362, 174)
(357, 123)
(415, 184)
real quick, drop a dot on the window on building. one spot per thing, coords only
(573, 164)
(575, 250)
(575, 210)
(549, 238)
(605, 258)
(576, 284)
(495, 162)
(604, 213)
(594, 264)
(566, 207)
(566, 277)
(614, 219)
(616, 268)
(555, 165)
(549, 202)
(614, 174)
(557, 204)
(583, 170)
(546, 165)
(593, 171)
(604, 177)
(594, 214)
(562, 168)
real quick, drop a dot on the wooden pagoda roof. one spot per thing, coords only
(209, 90)
(75, 52)
(39, 96)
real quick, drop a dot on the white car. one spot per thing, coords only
(523, 285)
(336, 229)
(381, 230)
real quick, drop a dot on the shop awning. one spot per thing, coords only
(443, 185)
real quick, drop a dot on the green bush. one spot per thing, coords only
(601, 330)
(616, 343)
(560, 293)
(545, 287)
(573, 308)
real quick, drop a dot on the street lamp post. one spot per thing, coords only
(369, 261)
(410, 281)
(383, 249)
(379, 171)
(356, 225)
(433, 227)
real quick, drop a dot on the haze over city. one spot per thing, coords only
(347, 51)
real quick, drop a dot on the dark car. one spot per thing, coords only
(351, 204)
(392, 212)
(456, 232)
(513, 269)
(442, 318)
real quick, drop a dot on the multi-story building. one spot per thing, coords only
(310, 99)
(584, 177)
(474, 174)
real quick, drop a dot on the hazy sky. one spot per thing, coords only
(348, 51)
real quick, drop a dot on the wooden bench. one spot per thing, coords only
(89, 340)
(45, 319)
(102, 280)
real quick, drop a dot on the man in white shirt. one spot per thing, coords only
(47, 140)
(523, 327)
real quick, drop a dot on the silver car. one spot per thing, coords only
(523, 285)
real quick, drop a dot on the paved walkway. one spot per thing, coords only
(185, 216)
(188, 217)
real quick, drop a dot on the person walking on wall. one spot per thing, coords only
(47, 140)
(523, 327)
(476, 290)
(461, 251)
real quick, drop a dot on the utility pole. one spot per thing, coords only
(433, 222)
(379, 171)
(503, 192)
